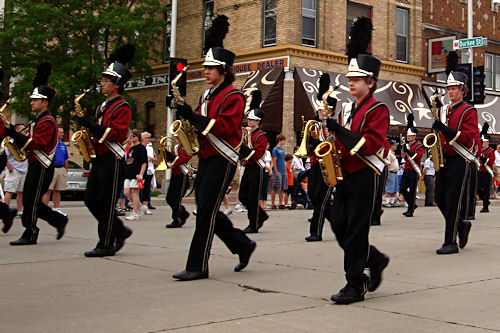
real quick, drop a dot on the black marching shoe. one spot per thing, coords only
(408, 214)
(447, 249)
(375, 222)
(182, 219)
(120, 239)
(8, 219)
(262, 220)
(174, 224)
(463, 235)
(348, 295)
(186, 275)
(62, 228)
(484, 210)
(245, 257)
(23, 241)
(376, 273)
(313, 238)
(100, 252)
(250, 230)
(472, 217)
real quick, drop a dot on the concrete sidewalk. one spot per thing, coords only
(52, 287)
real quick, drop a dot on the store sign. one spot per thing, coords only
(242, 68)
(147, 82)
(438, 49)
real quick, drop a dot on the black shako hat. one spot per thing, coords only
(457, 79)
(117, 61)
(216, 54)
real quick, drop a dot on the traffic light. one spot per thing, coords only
(466, 69)
(177, 65)
(479, 86)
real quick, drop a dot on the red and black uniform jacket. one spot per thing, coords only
(372, 123)
(2, 129)
(225, 122)
(43, 136)
(182, 158)
(258, 144)
(488, 155)
(115, 115)
(415, 152)
(463, 118)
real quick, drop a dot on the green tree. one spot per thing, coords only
(76, 37)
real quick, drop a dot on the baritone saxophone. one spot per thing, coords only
(182, 128)
(432, 140)
(19, 154)
(82, 137)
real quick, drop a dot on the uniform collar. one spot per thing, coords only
(41, 115)
(457, 105)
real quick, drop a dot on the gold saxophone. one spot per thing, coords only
(432, 140)
(82, 137)
(185, 132)
(17, 153)
(327, 151)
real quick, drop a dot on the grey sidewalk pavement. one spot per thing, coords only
(52, 287)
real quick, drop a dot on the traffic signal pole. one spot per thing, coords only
(470, 34)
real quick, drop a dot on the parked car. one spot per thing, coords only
(77, 180)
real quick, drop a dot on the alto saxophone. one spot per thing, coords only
(182, 128)
(82, 137)
(432, 140)
(17, 153)
(327, 151)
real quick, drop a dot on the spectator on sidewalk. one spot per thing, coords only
(290, 177)
(428, 176)
(145, 193)
(60, 179)
(16, 174)
(392, 184)
(135, 167)
(280, 181)
(497, 174)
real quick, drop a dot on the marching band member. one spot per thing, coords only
(413, 152)
(218, 118)
(40, 144)
(110, 131)
(458, 127)
(360, 131)
(179, 182)
(253, 176)
(485, 174)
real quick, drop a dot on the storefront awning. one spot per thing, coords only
(489, 111)
(401, 98)
(270, 84)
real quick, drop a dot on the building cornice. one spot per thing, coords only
(303, 52)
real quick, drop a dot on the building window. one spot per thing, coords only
(402, 34)
(167, 15)
(208, 16)
(354, 11)
(492, 72)
(269, 29)
(309, 22)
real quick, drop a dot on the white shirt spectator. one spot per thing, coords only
(393, 162)
(430, 167)
(151, 153)
(268, 158)
(297, 164)
(21, 167)
(497, 158)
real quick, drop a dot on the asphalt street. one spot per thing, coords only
(52, 287)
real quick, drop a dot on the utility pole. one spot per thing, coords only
(470, 34)
(170, 113)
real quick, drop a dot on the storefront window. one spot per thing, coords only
(269, 26)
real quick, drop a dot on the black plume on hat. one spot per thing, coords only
(485, 128)
(217, 32)
(451, 62)
(1, 74)
(256, 97)
(324, 85)
(42, 74)
(124, 54)
(360, 37)
(410, 121)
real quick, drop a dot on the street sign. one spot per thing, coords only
(469, 42)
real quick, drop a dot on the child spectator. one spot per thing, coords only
(290, 178)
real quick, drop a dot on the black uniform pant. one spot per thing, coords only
(214, 175)
(145, 193)
(176, 191)
(377, 210)
(408, 188)
(36, 185)
(471, 192)
(251, 185)
(451, 184)
(103, 188)
(429, 182)
(350, 218)
(319, 194)
(484, 186)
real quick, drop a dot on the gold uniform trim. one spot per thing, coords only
(209, 127)
(250, 155)
(27, 143)
(455, 138)
(358, 146)
(106, 132)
